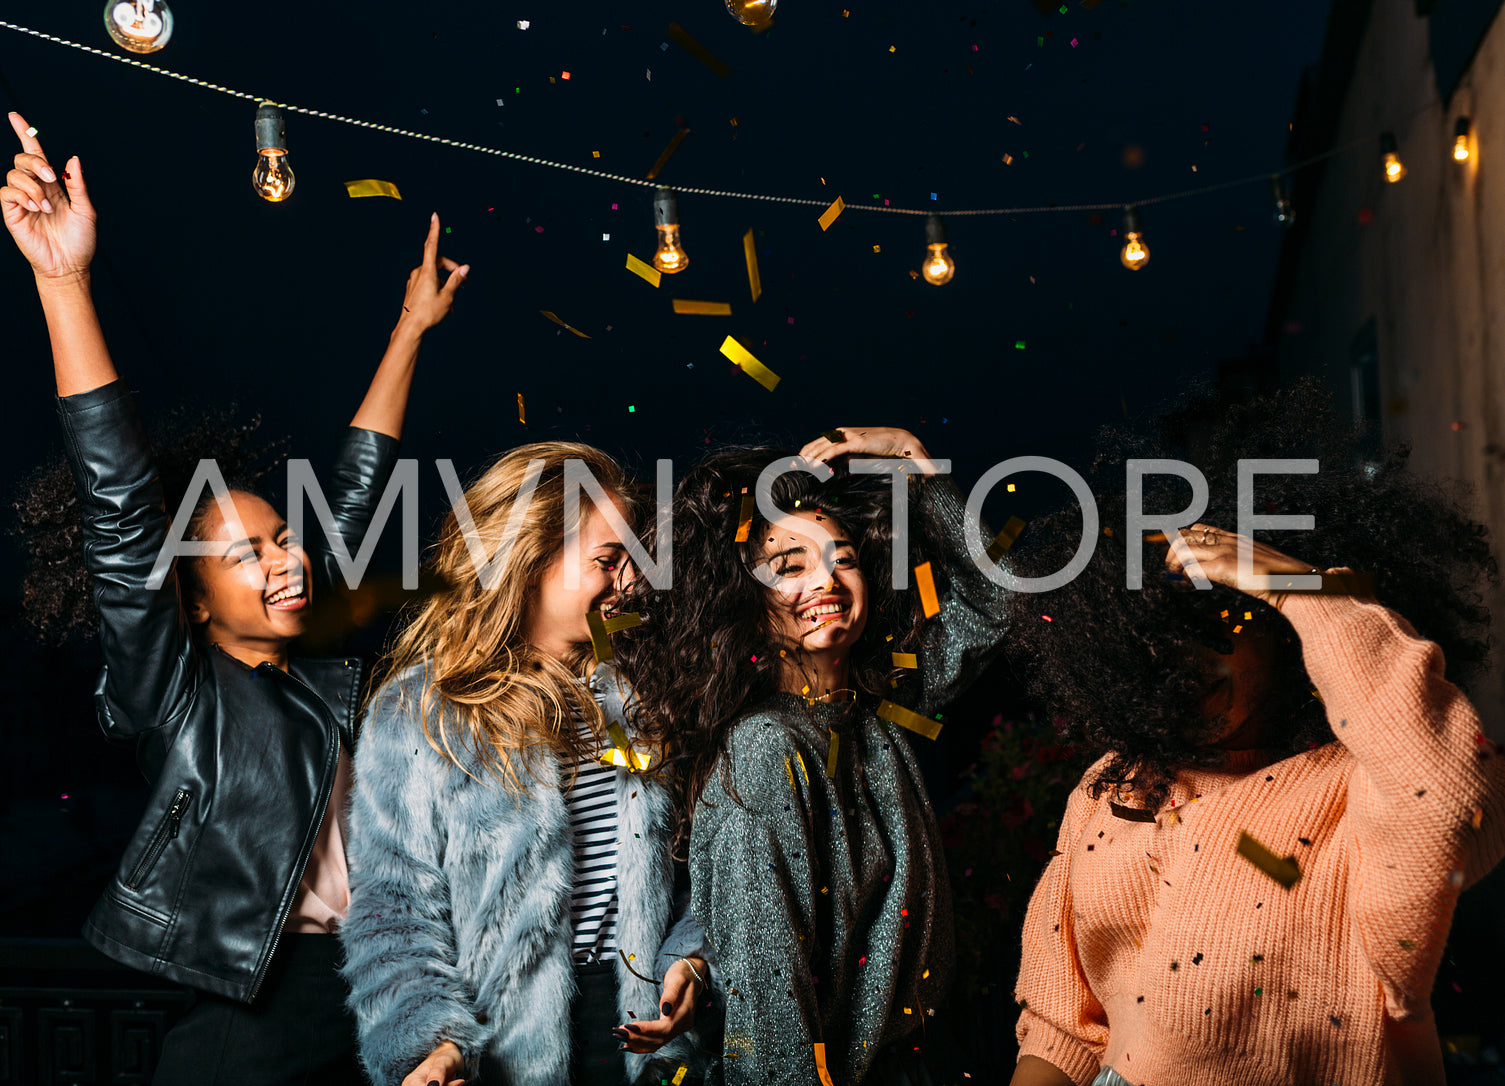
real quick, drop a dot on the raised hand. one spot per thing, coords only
(676, 1007)
(49, 216)
(865, 441)
(1215, 552)
(427, 300)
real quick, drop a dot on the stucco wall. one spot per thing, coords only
(1428, 267)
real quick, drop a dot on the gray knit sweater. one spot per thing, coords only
(826, 899)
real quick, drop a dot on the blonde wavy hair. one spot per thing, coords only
(499, 698)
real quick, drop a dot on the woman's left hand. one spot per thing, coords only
(865, 441)
(427, 300)
(1216, 552)
(676, 1011)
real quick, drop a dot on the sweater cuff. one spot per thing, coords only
(1055, 1046)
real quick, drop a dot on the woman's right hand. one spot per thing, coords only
(49, 216)
(443, 1065)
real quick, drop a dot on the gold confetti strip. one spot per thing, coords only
(679, 1076)
(906, 659)
(750, 365)
(835, 437)
(744, 518)
(663, 159)
(627, 960)
(600, 641)
(831, 756)
(522, 414)
(908, 718)
(681, 37)
(1005, 539)
(571, 327)
(830, 214)
(370, 186)
(625, 621)
(924, 583)
(789, 769)
(801, 759)
(820, 1066)
(622, 753)
(750, 250)
(705, 309)
(1285, 872)
(646, 272)
(1131, 814)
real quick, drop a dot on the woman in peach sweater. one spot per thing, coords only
(1254, 883)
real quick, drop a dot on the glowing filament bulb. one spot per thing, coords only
(752, 12)
(1460, 140)
(1395, 169)
(1135, 254)
(939, 265)
(142, 26)
(273, 177)
(671, 256)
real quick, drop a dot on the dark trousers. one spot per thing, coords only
(597, 1054)
(297, 1032)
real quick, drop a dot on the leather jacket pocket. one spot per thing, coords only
(167, 830)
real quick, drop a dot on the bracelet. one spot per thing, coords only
(694, 971)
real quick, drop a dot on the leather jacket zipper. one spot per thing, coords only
(167, 830)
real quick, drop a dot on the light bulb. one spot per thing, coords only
(671, 256)
(273, 177)
(752, 12)
(141, 26)
(1460, 140)
(939, 265)
(1395, 169)
(1135, 254)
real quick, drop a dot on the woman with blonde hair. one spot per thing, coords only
(512, 884)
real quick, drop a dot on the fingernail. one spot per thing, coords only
(47, 205)
(434, 217)
(47, 174)
(465, 270)
(33, 205)
(434, 1082)
(667, 1008)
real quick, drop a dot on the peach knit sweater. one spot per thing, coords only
(1154, 948)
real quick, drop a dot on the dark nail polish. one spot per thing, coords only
(668, 1009)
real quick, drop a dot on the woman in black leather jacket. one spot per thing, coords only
(235, 880)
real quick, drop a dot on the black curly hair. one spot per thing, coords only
(55, 595)
(1123, 670)
(709, 648)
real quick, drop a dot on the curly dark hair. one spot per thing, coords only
(55, 595)
(1122, 668)
(709, 649)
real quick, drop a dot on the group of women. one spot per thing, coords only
(713, 858)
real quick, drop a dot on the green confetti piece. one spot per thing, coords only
(1018, 344)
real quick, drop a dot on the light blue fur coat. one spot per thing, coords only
(459, 925)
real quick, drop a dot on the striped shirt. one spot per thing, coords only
(592, 807)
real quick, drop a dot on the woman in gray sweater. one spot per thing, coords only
(783, 669)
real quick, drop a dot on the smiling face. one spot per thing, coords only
(556, 612)
(253, 593)
(1239, 687)
(818, 599)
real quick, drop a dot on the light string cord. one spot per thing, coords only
(624, 180)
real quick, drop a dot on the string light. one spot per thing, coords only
(273, 177)
(1285, 214)
(671, 256)
(142, 26)
(1135, 253)
(752, 12)
(939, 266)
(1395, 169)
(1460, 140)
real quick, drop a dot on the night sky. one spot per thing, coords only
(212, 295)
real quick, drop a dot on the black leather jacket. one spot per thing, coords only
(241, 760)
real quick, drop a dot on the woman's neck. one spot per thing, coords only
(814, 675)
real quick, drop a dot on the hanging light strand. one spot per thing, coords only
(1114, 205)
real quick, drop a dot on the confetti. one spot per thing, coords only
(908, 718)
(831, 755)
(906, 659)
(750, 365)
(647, 272)
(789, 770)
(669, 149)
(627, 960)
(828, 216)
(744, 518)
(820, 1066)
(522, 415)
(707, 309)
(1131, 814)
(370, 186)
(622, 753)
(1285, 872)
(32, 131)
(924, 583)
(681, 37)
(803, 771)
(679, 1076)
(1005, 539)
(523, 24)
(749, 249)
(562, 324)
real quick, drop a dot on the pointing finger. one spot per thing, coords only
(431, 243)
(29, 142)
